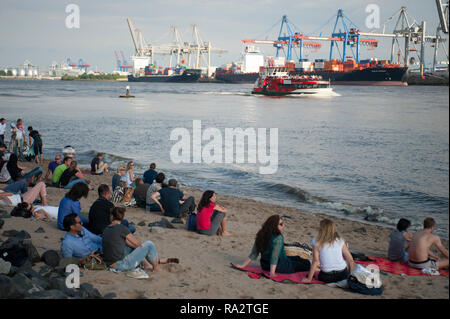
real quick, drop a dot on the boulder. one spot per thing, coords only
(5, 267)
(10, 233)
(48, 294)
(51, 258)
(32, 252)
(23, 235)
(89, 292)
(64, 262)
(60, 284)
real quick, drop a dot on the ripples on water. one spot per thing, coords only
(381, 152)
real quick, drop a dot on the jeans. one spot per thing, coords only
(153, 207)
(333, 276)
(290, 265)
(75, 181)
(18, 149)
(17, 187)
(134, 257)
(35, 172)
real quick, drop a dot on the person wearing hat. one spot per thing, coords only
(169, 201)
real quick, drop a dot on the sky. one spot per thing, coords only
(36, 30)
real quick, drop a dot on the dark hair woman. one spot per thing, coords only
(71, 204)
(211, 217)
(16, 172)
(399, 241)
(269, 243)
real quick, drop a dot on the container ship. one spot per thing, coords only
(245, 71)
(159, 74)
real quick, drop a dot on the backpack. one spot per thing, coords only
(355, 286)
(365, 281)
(21, 212)
(92, 262)
(192, 222)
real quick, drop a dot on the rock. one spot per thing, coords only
(46, 237)
(5, 267)
(45, 271)
(8, 289)
(51, 258)
(110, 295)
(49, 294)
(89, 292)
(287, 217)
(371, 218)
(360, 230)
(23, 235)
(156, 229)
(64, 262)
(177, 221)
(24, 285)
(142, 223)
(4, 214)
(2, 222)
(165, 223)
(32, 252)
(10, 233)
(60, 284)
(40, 230)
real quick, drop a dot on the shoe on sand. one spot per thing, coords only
(138, 273)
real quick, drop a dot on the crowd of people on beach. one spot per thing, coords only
(105, 232)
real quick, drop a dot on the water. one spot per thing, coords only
(381, 152)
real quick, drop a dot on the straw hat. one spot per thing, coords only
(297, 251)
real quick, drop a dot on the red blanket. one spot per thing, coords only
(396, 267)
(256, 272)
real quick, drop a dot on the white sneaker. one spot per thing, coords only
(138, 274)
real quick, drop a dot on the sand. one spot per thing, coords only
(204, 270)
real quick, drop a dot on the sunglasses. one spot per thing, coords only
(281, 224)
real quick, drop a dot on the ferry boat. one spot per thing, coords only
(278, 81)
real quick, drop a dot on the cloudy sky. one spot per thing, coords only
(36, 30)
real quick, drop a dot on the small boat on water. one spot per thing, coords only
(126, 96)
(277, 81)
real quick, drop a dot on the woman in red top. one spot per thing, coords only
(211, 216)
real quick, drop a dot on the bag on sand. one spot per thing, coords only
(92, 262)
(117, 195)
(364, 281)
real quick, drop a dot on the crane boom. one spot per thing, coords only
(132, 35)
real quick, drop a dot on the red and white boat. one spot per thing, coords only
(277, 81)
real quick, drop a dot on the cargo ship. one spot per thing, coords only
(245, 71)
(278, 81)
(184, 75)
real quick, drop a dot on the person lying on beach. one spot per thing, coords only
(419, 252)
(399, 241)
(150, 175)
(60, 170)
(37, 143)
(269, 243)
(211, 218)
(140, 192)
(97, 166)
(12, 199)
(116, 178)
(329, 251)
(71, 176)
(45, 212)
(123, 252)
(170, 198)
(78, 241)
(17, 173)
(71, 204)
(129, 177)
(100, 212)
(52, 166)
(151, 205)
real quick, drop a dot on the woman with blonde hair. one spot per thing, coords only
(329, 252)
(129, 177)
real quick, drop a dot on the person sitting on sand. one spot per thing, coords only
(123, 252)
(97, 166)
(60, 170)
(151, 205)
(211, 218)
(399, 241)
(71, 176)
(12, 199)
(140, 192)
(17, 173)
(52, 166)
(116, 177)
(78, 241)
(419, 252)
(169, 201)
(37, 143)
(129, 177)
(100, 212)
(71, 204)
(329, 251)
(269, 243)
(150, 175)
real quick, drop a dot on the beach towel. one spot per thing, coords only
(397, 267)
(256, 272)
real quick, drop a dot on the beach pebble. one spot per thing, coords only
(40, 230)
(10, 233)
(165, 223)
(142, 223)
(360, 230)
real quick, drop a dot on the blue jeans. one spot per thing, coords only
(75, 181)
(153, 207)
(134, 257)
(35, 172)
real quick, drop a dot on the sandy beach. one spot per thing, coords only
(204, 270)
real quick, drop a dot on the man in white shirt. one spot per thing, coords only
(2, 130)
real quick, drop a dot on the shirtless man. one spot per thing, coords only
(419, 249)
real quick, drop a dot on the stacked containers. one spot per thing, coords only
(319, 64)
(304, 65)
(349, 65)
